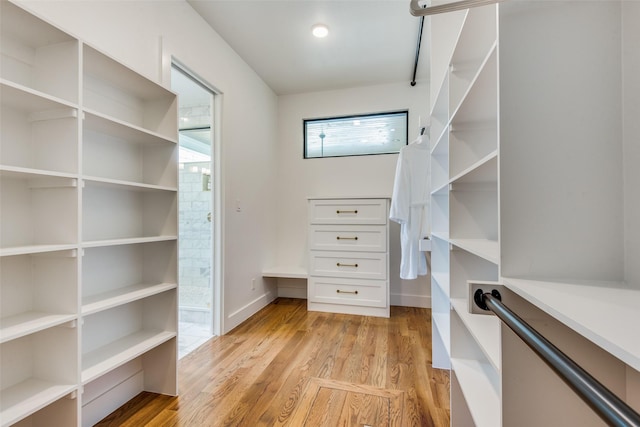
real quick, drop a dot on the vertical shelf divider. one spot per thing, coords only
(464, 200)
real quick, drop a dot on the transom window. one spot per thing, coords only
(358, 135)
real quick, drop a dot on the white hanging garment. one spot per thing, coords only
(409, 206)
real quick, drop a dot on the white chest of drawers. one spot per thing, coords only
(349, 256)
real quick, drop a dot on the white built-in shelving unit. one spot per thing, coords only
(464, 204)
(88, 242)
(527, 194)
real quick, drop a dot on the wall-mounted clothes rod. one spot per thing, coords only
(415, 65)
(607, 405)
(417, 10)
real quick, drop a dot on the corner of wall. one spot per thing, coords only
(631, 137)
(237, 317)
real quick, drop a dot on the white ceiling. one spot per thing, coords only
(370, 42)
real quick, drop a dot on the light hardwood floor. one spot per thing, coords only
(288, 367)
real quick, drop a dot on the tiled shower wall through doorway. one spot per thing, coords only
(195, 241)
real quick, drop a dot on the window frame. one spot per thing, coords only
(354, 117)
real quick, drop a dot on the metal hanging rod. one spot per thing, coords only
(606, 404)
(417, 10)
(415, 65)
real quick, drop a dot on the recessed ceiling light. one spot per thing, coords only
(320, 30)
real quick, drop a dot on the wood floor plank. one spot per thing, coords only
(365, 409)
(315, 360)
(303, 367)
(286, 366)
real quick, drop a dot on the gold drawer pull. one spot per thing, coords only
(347, 238)
(347, 292)
(341, 212)
(346, 265)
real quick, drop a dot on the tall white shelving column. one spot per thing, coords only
(39, 238)
(88, 229)
(129, 205)
(534, 201)
(465, 211)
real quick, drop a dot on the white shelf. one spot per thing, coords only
(38, 132)
(33, 101)
(35, 249)
(106, 300)
(131, 133)
(22, 172)
(442, 280)
(126, 185)
(37, 54)
(477, 36)
(112, 355)
(440, 147)
(474, 130)
(32, 203)
(118, 75)
(486, 249)
(476, 83)
(441, 190)
(116, 91)
(113, 211)
(484, 170)
(38, 178)
(29, 29)
(440, 235)
(22, 324)
(440, 114)
(119, 152)
(37, 370)
(440, 210)
(603, 312)
(441, 322)
(285, 272)
(482, 399)
(440, 162)
(484, 328)
(25, 398)
(127, 241)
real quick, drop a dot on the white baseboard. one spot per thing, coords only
(108, 393)
(404, 300)
(245, 312)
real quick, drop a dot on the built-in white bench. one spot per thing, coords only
(285, 272)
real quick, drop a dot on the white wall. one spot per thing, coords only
(372, 176)
(631, 137)
(142, 34)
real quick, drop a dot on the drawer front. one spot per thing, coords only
(329, 290)
(360, 265)
(351, 211)
(363, 238)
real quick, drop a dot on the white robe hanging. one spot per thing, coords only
(409, 206)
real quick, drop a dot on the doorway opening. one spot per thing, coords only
(197, 303)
